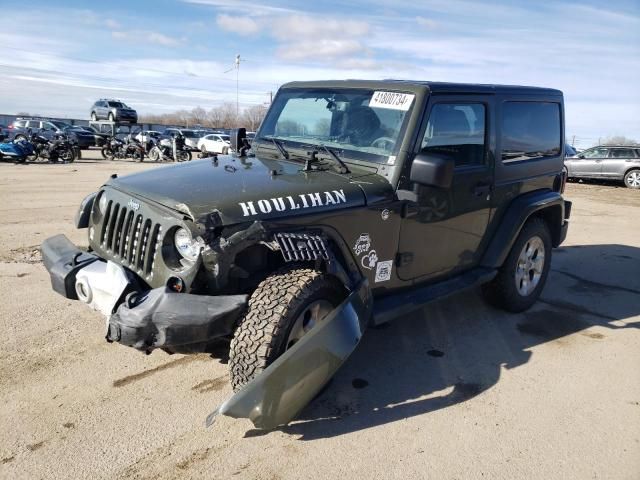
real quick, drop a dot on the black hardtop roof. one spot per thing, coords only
(426, 86)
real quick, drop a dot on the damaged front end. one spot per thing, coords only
(175, 322)
(282, 390)
(142, 319)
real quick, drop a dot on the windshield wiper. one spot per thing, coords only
(336, 157)
(279, 146)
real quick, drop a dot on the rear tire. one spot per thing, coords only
(521, 278)
(286, 299)
(93, 116)
(632, 178)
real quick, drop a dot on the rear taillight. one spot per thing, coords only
(10, 127)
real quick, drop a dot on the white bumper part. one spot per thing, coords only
(100, 285)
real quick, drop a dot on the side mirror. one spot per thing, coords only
(239, 142)
(580, 156)
(432, 169)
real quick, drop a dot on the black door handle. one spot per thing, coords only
(481, 189)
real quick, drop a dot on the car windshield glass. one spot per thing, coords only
(359, 123)
(61, 125)
(188, 133)
(117, 105)
(225, 137)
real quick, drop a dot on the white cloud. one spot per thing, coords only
(426, 22)
(299, 27)
(322, 49)
(111, 23)
(147, 36)
(237, 24)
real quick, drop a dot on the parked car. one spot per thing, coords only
(22, 128)
(146, 135)
(405, 193)
(4, 132)
(611, 162)
(84, 138)
(191, 136)
(214, 143)
(113, 111)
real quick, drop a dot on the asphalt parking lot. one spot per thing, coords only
(457, 390)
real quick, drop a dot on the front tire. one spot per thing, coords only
(521, 278)
(111, 117)
(632, 178)
(284, 307)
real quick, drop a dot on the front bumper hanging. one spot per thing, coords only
(145, 320)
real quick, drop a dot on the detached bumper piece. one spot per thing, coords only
(174, 322)
(276, 396)
(63, 260)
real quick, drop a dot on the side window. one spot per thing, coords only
(456, 130)
(34, 125)
(20, 123)
(530, 130)
(596, 153)
(621, 153)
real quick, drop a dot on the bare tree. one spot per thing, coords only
(619, 140)
(223, 116)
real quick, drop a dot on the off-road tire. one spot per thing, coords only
(628, 178)
(261, 335)
(501, 291)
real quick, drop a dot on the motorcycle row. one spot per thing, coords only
(60, 149)
(164, 149)
(64, 149)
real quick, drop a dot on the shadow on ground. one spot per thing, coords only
(454, 349)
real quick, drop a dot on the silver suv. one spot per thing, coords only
(608, 162)
(113, 111)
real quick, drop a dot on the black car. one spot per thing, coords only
(84, 138)
(113, 111)
(356, 203)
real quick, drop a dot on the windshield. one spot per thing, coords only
(363, 124)
(188, 133)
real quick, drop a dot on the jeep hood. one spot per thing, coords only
(248, 189)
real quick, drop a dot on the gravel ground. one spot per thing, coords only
(457, 390)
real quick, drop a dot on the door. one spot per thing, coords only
(589, 163)
(616, 164)
(442, 229)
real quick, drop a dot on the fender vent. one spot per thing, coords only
(301, 246)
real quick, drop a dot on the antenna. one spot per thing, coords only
(236, 67)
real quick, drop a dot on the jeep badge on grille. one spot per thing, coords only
(133, 205)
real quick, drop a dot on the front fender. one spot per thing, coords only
(281, 391)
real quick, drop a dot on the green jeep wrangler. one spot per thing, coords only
(357, 202)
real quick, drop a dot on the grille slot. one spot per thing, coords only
(301, 246)
(129, 237)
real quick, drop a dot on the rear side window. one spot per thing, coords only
(456, 130)
(530, 130)
(19, 123)
(621, 153)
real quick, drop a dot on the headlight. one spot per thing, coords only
(102, 203)
(186, 245)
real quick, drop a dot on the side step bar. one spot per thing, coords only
(387, 308)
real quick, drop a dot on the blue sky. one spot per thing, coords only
(159, 56)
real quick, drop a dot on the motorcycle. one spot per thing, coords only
(61, 148)
(16, 150)
(163, 150)
(122, 149)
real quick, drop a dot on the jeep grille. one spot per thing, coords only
(301, 246)
(130, 238)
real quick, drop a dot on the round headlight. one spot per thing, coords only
(186, 245)
(102, 204)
